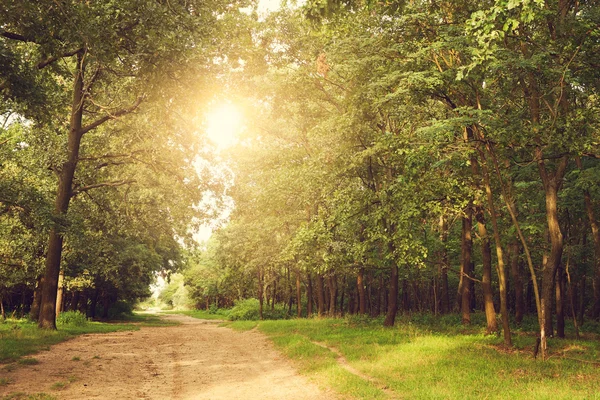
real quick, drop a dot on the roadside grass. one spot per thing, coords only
(21, 337)
(201, 314)
(23, 396)
(425, 359)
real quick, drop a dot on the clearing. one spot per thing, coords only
(194, 360)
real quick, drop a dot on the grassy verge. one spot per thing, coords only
(201, 314)
(418, 359)
(19, 338)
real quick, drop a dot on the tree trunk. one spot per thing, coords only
(309, 297)
(360, 286)
(466, 248)
(445, 294)
(517, 280)
(332, 283)
(260, 293)
(34, 313)
(560, 316)
(2, 311)
(552, 182)
(486, 284)
(392, 304)
(60, 293)
(589, 208)
(75, 301)
(47, 317)
(320, 295)
(298, 295)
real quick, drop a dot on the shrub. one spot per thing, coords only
(71, 318)
(249, 310)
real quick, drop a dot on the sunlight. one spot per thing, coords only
(224, 123)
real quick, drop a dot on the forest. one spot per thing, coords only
(400, 156)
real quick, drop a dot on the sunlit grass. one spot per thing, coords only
(417, 360)
(200, 314)
(22, 337)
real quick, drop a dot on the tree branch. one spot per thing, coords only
(15, 36)
(116, 115)
(102, 184)
(51, 59)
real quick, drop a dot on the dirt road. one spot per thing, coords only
(194, 360)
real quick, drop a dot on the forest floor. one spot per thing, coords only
(195, 359)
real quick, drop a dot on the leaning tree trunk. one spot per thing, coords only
(47, 317)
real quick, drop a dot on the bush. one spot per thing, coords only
(71, 318)
(249, 310)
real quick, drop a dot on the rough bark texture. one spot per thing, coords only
(47, 317)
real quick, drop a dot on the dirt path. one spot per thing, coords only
(194, 360)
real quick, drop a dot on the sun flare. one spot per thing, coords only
(224, 123)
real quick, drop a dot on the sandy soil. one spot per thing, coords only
(194, 360)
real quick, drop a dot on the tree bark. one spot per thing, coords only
(47, 317)
(560, 290)
(486, 284)
(445, 294)
(320, 296)
(298, 295)
(466, 249)
(595, 226)
(552, 182)
(34, 313)
(60, 293)
(309, 296)
(332, 283)
(392, 303)
(360, 286)
(517, 280)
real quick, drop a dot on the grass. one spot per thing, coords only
(19, 338)
(23, 396)
(202, 314)
(422, 359)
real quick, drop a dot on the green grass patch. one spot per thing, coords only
(147, 320)
(23, 396)
(202, 314)
(28, 361)
(19, 338)
(4, 381)
(420, 358)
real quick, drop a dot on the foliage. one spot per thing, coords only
(248, 310)
(72, 318)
